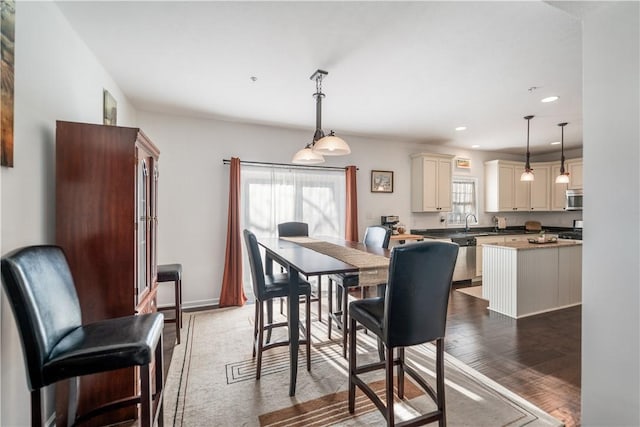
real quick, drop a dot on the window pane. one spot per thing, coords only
(463, 200)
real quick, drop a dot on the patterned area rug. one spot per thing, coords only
(211, 382)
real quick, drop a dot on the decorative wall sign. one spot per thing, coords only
(109, 109)
(381, 181)
(7, 31)
(463, 163)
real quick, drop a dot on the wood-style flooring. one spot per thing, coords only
(536, 357)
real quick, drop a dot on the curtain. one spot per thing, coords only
(351, 227)
(232, 292)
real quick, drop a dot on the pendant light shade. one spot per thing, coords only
(563, 178)
(527, 175)
(322, 145)
(307, 156)
(331, 145)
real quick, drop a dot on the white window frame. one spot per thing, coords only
(455, 217)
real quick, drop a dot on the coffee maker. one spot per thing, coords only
(390, 221)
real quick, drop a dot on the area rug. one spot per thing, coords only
(211, 382)
(474, 291)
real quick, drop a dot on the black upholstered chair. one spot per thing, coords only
(375, 236)
(297, 229)
(266, 288)
(57, 346)
(413, 311)
(173, 273)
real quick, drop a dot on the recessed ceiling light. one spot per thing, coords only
(461, 128)
(555, 143)
(550, 99)
(475, 146)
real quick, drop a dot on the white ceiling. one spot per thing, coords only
(410, 71)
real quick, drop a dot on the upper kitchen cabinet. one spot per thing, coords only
(574, 167)
(431, 182)
(558, 191)
(504, 192)
(539, 188)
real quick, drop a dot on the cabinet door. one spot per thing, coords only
(430, 189)
(522, 192)
(575, 173)
(506, 190)
(539, 189)
(444, 185)
(558, 191)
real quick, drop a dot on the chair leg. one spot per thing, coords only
(178, 309)
(308, 332)
(320, 298)
(255, 327)
(442, 422)
(260, 342)
(269, 318)
(281, 307)
(389, 386)
(400, 374)
(159, 369)
(36, 408)
(345, 319)
(330, 304)
(352, 367)
(72, 406)
(146, 401)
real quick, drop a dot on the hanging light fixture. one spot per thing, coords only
(563, 178)
(321, 145)
(527, 175)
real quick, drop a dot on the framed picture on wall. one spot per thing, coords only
(109, 109)
(381, 181)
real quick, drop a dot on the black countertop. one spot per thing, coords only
(456, 233)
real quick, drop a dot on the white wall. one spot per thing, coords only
(56, 78)
(193, 190)
(611, 297)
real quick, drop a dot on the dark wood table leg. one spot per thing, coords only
(268, 269)
(294, 332)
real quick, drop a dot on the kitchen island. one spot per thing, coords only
(522, 279)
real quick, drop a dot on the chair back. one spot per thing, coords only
(255, 263)
(377, 236)
(293, 229)
(417, 292)
(43, 298)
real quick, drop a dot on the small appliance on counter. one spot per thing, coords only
(391, 221)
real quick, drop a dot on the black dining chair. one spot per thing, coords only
(376, 237)
(266, 288)
(413, 311)
(57, 346)
(301, 229)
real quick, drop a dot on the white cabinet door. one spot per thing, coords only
(431, 182)
(539, 188)
(506, 188)
(575, 173)
(504, 192)
(558, 191)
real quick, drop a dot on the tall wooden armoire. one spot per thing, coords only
(106, 223)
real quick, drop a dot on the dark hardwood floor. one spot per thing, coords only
(536, 357)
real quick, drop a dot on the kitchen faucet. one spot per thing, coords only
(466, 222)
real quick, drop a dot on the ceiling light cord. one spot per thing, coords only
(527, 175)
(563, 178)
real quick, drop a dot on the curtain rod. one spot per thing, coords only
(286, 165)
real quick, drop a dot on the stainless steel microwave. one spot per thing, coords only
(574, 200)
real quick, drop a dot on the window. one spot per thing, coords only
(463, 200)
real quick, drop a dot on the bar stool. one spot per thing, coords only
(173, 273)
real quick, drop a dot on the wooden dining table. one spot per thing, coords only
(298, 259)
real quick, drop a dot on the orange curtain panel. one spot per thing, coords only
(232, 293)
(351, 224)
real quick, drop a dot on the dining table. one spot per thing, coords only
(298, 259)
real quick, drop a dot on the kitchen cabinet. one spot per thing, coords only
(539, 188)
(106, 223)
(431, 182)
(558, 191)
(504, 192)
(574, 166)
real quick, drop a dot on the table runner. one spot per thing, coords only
(373, 269)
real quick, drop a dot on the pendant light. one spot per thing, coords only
(563, 178)
(527, 175)
(321, 145)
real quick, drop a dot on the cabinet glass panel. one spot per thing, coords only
(143, 173)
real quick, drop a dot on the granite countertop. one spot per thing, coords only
(439, 233)
(526, 245)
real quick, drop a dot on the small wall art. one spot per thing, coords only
(109, 109)
(381, 181)
(462, 163)
(7, 29)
